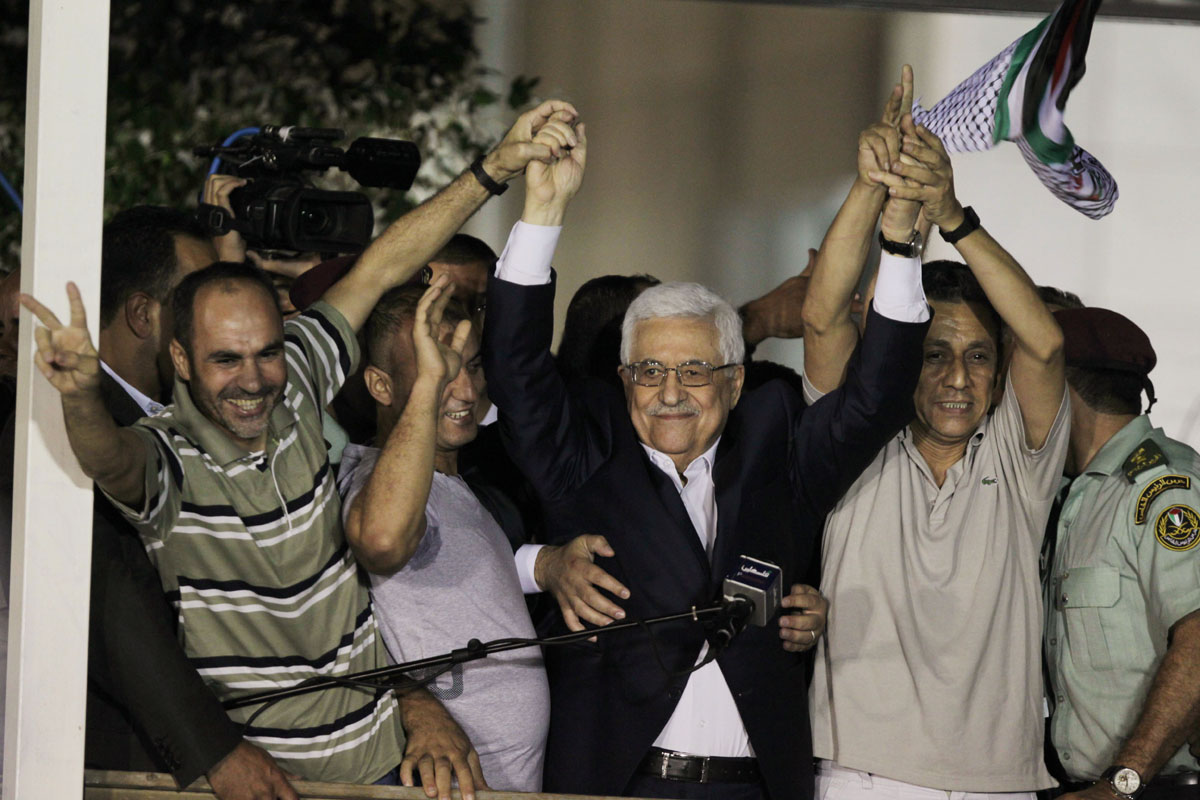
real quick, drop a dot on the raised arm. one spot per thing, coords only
(409, 242)
(110, 455)
(1037, 370)
(536, 415)
(386, 520)
(829, 332)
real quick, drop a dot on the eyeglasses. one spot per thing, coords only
(689, 373)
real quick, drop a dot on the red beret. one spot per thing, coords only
(1096, 338)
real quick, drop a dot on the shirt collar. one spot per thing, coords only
(149, 406)
(1110, 458)
(701, 464)
(213, 439)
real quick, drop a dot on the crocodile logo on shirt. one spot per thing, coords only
(990, 481)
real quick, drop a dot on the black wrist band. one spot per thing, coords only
(486, 180)
(969, 225)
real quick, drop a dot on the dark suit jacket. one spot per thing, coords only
(147, 707)
(779, 468)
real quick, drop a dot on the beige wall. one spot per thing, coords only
(723, 140)
(722, 137)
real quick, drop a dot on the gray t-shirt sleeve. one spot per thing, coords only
(358, 462)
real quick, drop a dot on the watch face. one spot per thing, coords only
(1126, 780)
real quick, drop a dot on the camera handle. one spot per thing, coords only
(218, 221)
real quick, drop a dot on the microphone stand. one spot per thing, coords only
(475, 649)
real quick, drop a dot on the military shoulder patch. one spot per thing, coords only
(1177, 528)
(1148, 455)
(1153, 490)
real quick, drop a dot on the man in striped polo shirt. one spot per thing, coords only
(231, 489)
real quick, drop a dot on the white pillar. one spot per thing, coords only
(52, 499)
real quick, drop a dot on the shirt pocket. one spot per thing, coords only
(1083, 595)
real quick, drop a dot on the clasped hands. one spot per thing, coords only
(911, 164)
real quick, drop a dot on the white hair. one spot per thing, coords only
(686, 300)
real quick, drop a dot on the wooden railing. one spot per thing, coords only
(109, 785)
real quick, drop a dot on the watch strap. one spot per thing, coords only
(910, 249)
(969, 225)
(485, 180)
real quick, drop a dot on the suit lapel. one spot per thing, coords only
(728, 486)
(668, 495)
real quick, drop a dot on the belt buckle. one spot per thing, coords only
(664, 766)
(704, 762)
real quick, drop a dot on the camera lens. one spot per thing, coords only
(315, 220)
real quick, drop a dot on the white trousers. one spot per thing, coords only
(835, 782)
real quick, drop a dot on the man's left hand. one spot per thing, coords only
(801, 629)
(437, 747)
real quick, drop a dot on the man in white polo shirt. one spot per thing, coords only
(928, 683)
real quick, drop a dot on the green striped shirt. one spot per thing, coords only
(251, 552)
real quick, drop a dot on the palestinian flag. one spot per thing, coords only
(1019, 96)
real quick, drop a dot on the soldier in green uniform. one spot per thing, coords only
(1122, 638)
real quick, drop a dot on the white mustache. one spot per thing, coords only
(659, 409)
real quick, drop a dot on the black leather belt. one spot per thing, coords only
(699, 769)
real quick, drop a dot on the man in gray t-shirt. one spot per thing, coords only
(442, 571)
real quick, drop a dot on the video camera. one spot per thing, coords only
(278, 211)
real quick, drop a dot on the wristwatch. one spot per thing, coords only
(910, 249)
(1124, 781)
(969, 225)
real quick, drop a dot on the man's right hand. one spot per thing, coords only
(880, 149)
(436, 360)
(249, 773)
(568, 572)
(550, 187)
(65, 354)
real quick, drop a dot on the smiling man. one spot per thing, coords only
(682, 474)
(929, 678)
(441, 568)
(228, 349)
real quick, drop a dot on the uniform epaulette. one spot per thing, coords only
(1148, 455)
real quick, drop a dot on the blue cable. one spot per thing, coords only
(12, 193)
(233, 137)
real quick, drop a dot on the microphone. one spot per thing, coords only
(752, 591)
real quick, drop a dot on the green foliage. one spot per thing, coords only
(190, 72)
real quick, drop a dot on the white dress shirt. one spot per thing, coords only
(151, 407)
(706, 721)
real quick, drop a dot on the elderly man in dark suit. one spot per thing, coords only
(683, 474)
